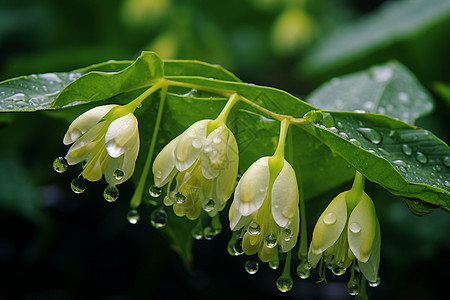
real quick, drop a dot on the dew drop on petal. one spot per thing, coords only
(338, 270)
(353, 287)
(287, 234)
(375, 283)
(271, 240)
(238, 247)
(354, 227)
(196, 143)
(133, 216)
(251, 266)
(209, 233)
(254, 228)
(329, 218)
(158, 174)
(304, 269)
(118, 174)
(111, 193)
(168, 201)
(209, 206)
(180, 198)
(154, 191)
(284, 284)
(197, 233)
(78, 185)
(158, 218)
(60, 164)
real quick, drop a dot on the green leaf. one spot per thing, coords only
(389, 89)
(443, 89)
(197, 69)
(33, 92)
(392, 23)
(97, 86)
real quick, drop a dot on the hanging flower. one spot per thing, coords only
(266, 206)
(108, 138)
(348, 229)
(204, 159)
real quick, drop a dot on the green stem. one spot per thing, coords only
(279, 152)
(137, 102)
(137, 197)
(226, 110)
(287, 266)
(356, 192)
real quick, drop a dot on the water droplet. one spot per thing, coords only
(180, 198)
(111, 193)
(403, 97)
(407, 150)
(420, 157)
(354, 227)
(209, 206)
(154, 191)
(238, 247)
(158, 218)
(353, 287)
(356, 142)
(254, 228)
(118, 174)
(284, 284)
(287, 234)
(329, 218)
(384, 152)
(446, 161)
(401, 165)
(343, 135)
(375, 283)
(251, 266)
(338, 270)
(197, 233)
(216, 140)
(158, 174)
(209, 233)
(78, 185)
(196, 143)
(60, 164)
(447, 183)
(271, 240)
(133, 216)
(304, 269)
(168, 201)
(371, 134)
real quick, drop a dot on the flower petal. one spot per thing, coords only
(190, 145)
(285, 196)
(362, 226)
(252, 188)
(214, 152)
(237, 220)
(85, 121)
(84, 145)
(119, 134)
(370, 268)
(294, 227)
(313, 258)
(164, 164)
(330, 224)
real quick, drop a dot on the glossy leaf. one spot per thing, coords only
(389, 89)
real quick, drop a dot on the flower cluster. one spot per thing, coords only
(204, 161)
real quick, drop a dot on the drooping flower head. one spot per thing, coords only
(204, 159)
(108, 138)
(348, 229)
(265, 205)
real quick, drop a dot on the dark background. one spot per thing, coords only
(58, 245)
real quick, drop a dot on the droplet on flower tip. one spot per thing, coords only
(251, 266)
(196, 143)
(271, 240)
(304, 269)
(158, 218)
(284, 284)
(111, 193)
(133, 216)
(60, 164)
(375, 283)
(158, 174)
(353, 287)
(78, 185)
(354, 227)
(238, 247)
(338, 270)
(287, 234)
(197, 233)
(180, 198)
(209, 233)
(118, 174)
(254, 228)
(154, 191)
(330, 218)
(209, 206)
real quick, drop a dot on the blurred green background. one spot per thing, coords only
(58, 245)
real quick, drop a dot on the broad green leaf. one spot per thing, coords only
(97, 86)
(197, 68)
(33, 92)
(388, 89)
(392, 23)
